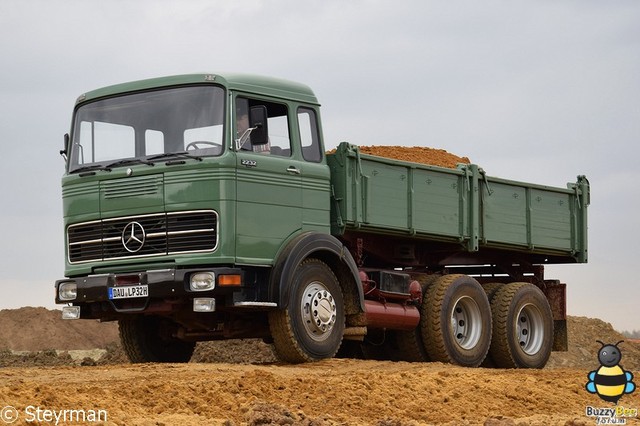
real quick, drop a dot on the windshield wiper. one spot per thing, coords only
(129, 161)
(91, 167)
(180, 154)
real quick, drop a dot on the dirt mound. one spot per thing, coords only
(583, 348)
(39, 329)
(246, 351)
(49, 357)
(416, 154)
(243, 351)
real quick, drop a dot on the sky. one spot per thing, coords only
(538, 91)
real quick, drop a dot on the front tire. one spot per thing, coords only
(522, 327)
(456, 321)
(149, 339)
(311, 327)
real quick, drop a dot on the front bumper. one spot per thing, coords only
(166, 287)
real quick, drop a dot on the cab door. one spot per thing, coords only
(268, 185)
(316, 188)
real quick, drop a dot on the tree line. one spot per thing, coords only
(635, 334)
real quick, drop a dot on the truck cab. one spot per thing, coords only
(187, 143)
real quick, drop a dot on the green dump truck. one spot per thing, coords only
(204, 207)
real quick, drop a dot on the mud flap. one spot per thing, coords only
(556, 293)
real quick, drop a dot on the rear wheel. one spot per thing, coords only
(490, 289)
(522, 327)
(312, 325)
(456, 321)
(149, 339)
(411, 347)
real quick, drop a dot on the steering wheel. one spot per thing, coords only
(194, 145)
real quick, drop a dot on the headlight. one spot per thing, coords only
(203, 281)
(68, 291)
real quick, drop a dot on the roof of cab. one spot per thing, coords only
(249, 83)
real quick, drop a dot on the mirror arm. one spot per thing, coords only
(244, 137)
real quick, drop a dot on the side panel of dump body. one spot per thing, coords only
(438, 216)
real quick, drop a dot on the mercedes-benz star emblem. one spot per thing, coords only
(133, 236)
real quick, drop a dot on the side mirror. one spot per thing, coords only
(258, 121)
(63, 152)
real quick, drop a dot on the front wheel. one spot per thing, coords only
(150, 339)
(311, 327)
(522, 327)
(456, 321)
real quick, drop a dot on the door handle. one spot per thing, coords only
(294, 170)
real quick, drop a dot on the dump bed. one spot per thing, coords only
(463, 207)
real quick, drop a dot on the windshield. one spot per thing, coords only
(148, 126)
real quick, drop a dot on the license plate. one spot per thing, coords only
(128, 292)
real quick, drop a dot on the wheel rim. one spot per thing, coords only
(319, 311)
(530, 329)
(466, 322)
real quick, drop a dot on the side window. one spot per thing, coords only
(277, 121)
(279, 135)
(309, 135)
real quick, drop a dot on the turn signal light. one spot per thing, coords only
(227, 280)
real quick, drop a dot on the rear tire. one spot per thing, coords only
(490, 289)
(522, 327)
(411, 346)
(311, 327)
(456, 321)
(148, 339)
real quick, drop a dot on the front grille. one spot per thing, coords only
(142, 236)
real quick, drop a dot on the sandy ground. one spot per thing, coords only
(330, 392)
(241, 383)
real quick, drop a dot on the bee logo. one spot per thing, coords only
(610, 381)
